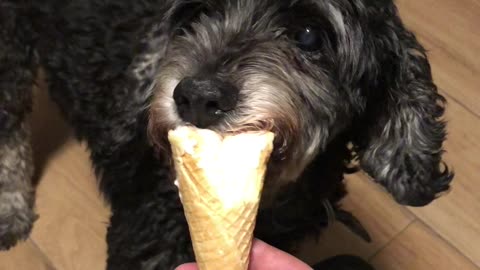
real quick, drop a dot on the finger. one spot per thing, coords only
(266, 257)
(187, 266)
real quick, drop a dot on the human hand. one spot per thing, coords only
(265, 257)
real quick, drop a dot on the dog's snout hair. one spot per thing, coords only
(280, 87)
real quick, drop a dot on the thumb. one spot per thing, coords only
(187, 266)
(266, 257)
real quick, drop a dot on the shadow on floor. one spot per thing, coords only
(49, 129)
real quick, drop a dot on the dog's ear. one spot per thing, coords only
(400, 144)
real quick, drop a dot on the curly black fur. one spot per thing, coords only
(365, 81)
(16, 166)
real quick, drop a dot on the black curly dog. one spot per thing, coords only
(336, 80)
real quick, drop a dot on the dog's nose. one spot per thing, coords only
(204, 101)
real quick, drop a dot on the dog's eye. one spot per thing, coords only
(308, 39)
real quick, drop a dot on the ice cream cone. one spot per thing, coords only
(220, 181)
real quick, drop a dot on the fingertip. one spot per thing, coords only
(266, 257)
(258, 246)
(187, 266)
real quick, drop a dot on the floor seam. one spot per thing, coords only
(44, 256)
(391, 240)
(447, 94)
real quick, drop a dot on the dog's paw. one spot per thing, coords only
(16, 218)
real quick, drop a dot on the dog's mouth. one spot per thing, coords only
(278, 155)
(279, 143)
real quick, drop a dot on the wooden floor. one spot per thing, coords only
(70, 235)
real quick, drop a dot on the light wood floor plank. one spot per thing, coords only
(72, 226)
(25, 256)
(449, 30)
(417, 248)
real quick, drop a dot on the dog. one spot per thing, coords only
(339, 82)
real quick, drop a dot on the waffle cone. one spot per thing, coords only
(220, 181)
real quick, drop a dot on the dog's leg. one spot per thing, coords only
(16, 166)
(16, 191)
